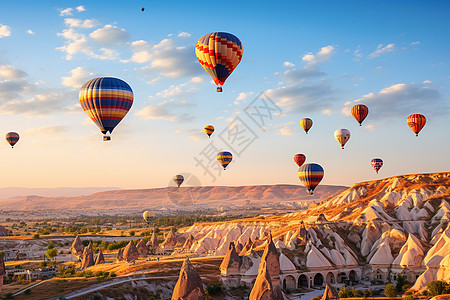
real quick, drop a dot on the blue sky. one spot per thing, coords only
(312, 59)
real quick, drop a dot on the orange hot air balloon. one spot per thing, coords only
(299, 159)
(306, 124)
(360, 112)
(209, 129)
(12, 138)
(416, 122)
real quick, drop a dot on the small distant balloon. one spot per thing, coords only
(178, 179)
(306, 124)
(342, 136)
(310, 175)
(416, 122)
(299, 159)
(224, 158)
(12, 138)
(148, 216)
(360, 112)
(209, 129)
(377, 163)
(142, 8)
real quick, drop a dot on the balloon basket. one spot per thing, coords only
(106, 138)
(219, 89)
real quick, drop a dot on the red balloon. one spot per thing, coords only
(299, 159)
(360, 112)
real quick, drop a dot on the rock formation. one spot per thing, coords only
(142, 248)
(100, 259)
(189, 285)
(130, 253)
(171, 240)
(188, 243)
(87, 259)
(119, 256)
(2, 269)
(153, 243)
(231, 262)
(330, 293)
(247, 247)
(270, 256)
(77, 248)
(3, 231)
(263, 288)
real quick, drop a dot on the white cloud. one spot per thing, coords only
(382, 50)
(66, 11)
(357, 55)
(287, 129)
(78, 77)
(110, 35)
(322, 56)
(5, 31)
(184, 34)
(400, 100)
(80, 8)
(88, 23)
(242, 96)
(370, 127)
(11, 73)
(29, 31)
(297, 76)
(414, 43)
(163, 111)
(288, 64)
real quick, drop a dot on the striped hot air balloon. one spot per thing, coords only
(360, 112)
(416, 122)
(377, 163)
(209, 129)
(299, 159)
(12, 138)
(219, 53)
(106, 100)
(306, 124)
(178, 179)
(310, 175)
(224, 158)
(342, 136)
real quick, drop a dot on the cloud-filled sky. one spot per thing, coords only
(301, 59)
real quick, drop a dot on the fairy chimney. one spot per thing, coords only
(119, 256)
(263, 288)
(189, 285)
(77, 248)
(100, 259)
(88, 257)
(330, 293)
(188, 243)
(239, 248)
(153, 243)
(130, 253)
(231, 262)
(2, 269)
(247, 247)
(3, 231)
(270, 256)
(171, 240)
(142, 248)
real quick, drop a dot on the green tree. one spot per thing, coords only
(389, 291)
(344, 293)
(51, 245)
(437, 287)
(51, 253)
(36, 236)
(401, 281)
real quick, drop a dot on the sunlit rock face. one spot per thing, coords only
(189, 285)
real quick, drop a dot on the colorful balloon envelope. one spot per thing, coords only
(306, 124)
(224, 158)
(178, 179)
(299, 159)
(106, 100)
(12, 138)
(219, 53)
(342, 136)
(148, 215)
(377, 163)
(416, 122)
(360, 112)
(310, 175)
(209, 129)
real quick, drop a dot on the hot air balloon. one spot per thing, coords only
(342, 136)
(360, 112)
(12, 138)
(310, 175)
(148, 216)
(299, 159)
(142, 8)
(224, 158)
(209, 129)
(377, 163)
(219, 53)
(178, 179)
(416, 122)
(106, 100)
(306, 124)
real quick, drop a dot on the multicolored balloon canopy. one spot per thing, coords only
(377, 163)
(306, 124)
(148, 215)
(106, 100)
(209, 129)
(360, 112)
(219, 53)
(224, 158)
(342, 136)
(299, 159)
(12, 138)
(310, 175)
(178, 179)
(416, 122)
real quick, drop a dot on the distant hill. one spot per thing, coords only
(10, 192)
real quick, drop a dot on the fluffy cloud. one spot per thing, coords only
(80, 8)
(110, 35)
(184, 34)
(297, 76)
(88, 23)
(322, 56)
(288, 64)
(164, 111)
(242, 96)
(4, 31)
(31, 32)
(183, 89)
(65, 11)
(381, 50)
(11, 73)
(400, 100)
(287, 129)
(77, 78)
